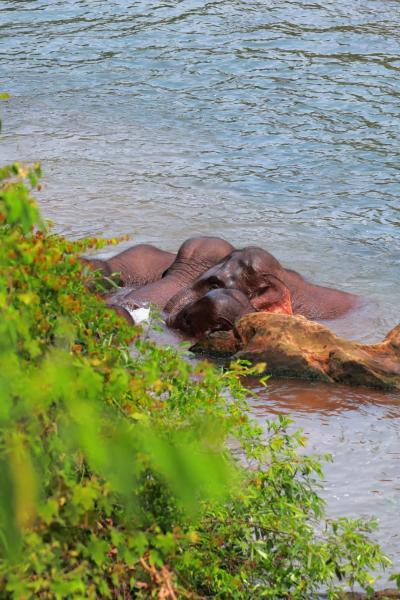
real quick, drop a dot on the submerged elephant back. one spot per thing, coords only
(136, 266)
(141, 265)
(195, 256)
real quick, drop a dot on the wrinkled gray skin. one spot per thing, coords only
(137, 266)
(266, 283)
(216, 311)
(195, 256)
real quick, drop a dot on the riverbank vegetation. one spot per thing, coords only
(126, 471)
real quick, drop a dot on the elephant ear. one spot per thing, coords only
(271, 295)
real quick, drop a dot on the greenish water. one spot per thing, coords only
(270, 123)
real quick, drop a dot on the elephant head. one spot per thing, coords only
(253, 271)
(215, 311)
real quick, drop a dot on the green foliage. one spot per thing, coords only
(136, 474)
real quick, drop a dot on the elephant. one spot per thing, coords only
(268, 285)
(137, 266)
(215, 311)
(195, 256)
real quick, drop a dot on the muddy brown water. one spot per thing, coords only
(274, 124)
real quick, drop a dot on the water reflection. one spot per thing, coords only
(325, 399)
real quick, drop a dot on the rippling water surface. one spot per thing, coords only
(270, 123)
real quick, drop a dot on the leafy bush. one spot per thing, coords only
(136, 474)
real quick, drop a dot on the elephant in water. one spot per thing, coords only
(137, 266)
(215, 311)
(268, 286)
(195, 256)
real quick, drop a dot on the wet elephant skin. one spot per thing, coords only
(268, 285)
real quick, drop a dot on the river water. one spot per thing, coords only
(268, 123)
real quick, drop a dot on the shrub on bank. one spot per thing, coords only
(136, 474)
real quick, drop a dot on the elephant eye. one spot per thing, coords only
(214, 284)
